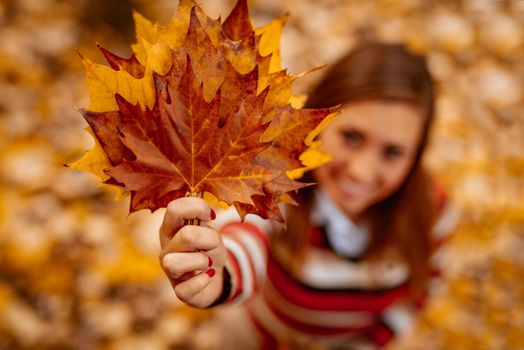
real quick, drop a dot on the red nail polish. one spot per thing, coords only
(213, 214)
(210, 272)
(209, 261)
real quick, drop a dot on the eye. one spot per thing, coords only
(352, 137)
(393, 152)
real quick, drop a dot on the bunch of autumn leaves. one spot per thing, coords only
(201, 107)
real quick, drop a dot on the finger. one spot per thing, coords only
(192, 238)
(176, 264)
(179, 210)
(185, 291)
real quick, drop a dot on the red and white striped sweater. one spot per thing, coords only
(335, 301)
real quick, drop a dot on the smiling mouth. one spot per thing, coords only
(355, 190)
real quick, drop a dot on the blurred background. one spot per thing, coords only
(76, 272)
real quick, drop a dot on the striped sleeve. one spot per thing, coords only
(247, 245)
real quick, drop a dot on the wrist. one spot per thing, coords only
(225, 290)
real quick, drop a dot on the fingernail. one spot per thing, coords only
(209, 261)
(210, 272)
(213, 214)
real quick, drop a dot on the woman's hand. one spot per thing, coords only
(193, 257)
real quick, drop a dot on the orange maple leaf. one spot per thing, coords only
(184, 145)
(200, 112)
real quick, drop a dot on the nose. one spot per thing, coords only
(363, 167)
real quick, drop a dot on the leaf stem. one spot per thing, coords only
(194, 221)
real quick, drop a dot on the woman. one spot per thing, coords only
(353, 260)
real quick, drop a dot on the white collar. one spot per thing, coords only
(346, 238)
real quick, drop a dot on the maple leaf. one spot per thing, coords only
(266, 205)
(130, 65)
(201, 107)
(175, 149)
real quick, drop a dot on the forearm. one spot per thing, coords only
(245, 268)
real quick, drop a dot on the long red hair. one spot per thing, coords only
(402, 221)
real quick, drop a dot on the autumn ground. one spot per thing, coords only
(76, 267)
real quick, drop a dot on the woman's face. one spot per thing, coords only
(373, 144)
